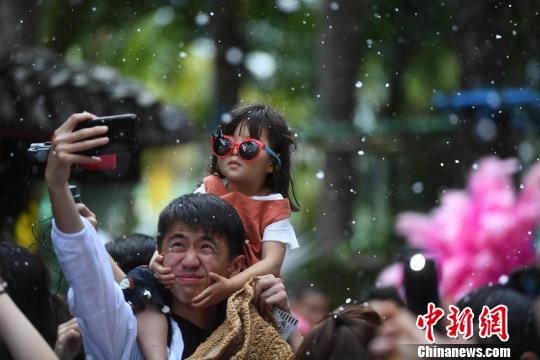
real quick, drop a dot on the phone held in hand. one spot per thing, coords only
(421, 284)
(122, 134)
(75, 193)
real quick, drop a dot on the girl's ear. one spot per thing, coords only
(270, 167)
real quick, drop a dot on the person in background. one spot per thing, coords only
(523, 318)
(345, 334)
(27, 284)
(400, 330)
(395, 336)
(131, 251)
(69, 341)
(19, 338)
(309, 307)
(384, 300)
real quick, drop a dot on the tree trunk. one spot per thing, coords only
(229, 54)
(482, 44)
(17, 29)
(18, 20)
(340, 59)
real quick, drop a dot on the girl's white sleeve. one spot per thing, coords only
(281, 231)
(200, 190)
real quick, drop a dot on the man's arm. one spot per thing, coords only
(108, 325)
(269, 292)
(106, 321)
(85, 212)
(65, 145)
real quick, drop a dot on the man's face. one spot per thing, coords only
(192, 254)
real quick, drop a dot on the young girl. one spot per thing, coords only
(251, 170)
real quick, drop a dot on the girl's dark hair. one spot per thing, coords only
(28, 286)
(256, 118)
(344, 334)
(207, 213)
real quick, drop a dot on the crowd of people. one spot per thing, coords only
(208, 286)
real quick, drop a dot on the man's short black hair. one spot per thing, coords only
(382, 293)
(207, 213)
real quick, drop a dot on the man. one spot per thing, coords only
(198, 234)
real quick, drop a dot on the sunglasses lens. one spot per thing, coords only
(221, 145)
(248, 149)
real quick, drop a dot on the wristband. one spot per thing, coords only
(286, 323)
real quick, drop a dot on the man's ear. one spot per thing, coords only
(236, 265)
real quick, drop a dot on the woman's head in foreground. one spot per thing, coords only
(344, 334)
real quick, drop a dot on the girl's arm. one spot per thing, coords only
(18, 333)
(152, 325)
(152, 333)
(273, 253)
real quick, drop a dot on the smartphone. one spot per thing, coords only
(421, 284)
(122, 134)
(75, 193)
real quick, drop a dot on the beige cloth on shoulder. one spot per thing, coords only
(244, 334)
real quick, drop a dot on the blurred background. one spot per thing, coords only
(392, 102)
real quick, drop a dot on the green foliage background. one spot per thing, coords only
(160, 44)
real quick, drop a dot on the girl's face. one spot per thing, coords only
(247, 175)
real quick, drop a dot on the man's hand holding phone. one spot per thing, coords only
(67, 145)
(122, 134)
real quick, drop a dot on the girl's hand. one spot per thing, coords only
(220, 290)
(162, 273)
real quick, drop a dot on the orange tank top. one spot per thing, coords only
(256, 215)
